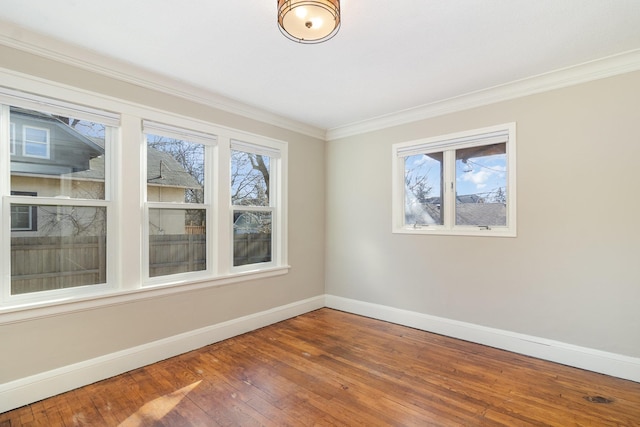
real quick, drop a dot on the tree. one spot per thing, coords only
(72, 220)
(418, 184)
(249, 179)
(497, 196)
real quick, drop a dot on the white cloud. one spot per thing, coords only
(478, 178)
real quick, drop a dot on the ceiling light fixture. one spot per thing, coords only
(309, 21)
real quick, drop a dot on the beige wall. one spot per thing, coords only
(573, 272)
(36, 346)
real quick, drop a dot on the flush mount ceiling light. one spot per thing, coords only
(307, 21)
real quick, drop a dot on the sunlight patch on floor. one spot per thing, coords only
(158, 408)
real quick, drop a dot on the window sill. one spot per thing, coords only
(475, 231)
(65, 305)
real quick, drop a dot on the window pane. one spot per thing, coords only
(177, 241)
(481, 185)
(36, 142)
(175, 170)
(249, 179)
(71, 155)
(423, 189)
(251, 237)
(67, 250)
(36, 135)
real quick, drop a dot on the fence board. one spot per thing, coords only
(47, 263)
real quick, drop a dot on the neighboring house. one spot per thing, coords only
(49, 158)
(167, 181)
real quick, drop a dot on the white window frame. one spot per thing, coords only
(125, 202)
(209, 141)
(26, 142)
(447, 144)
(53, 106)
(276, 206)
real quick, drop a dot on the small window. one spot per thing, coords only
(456, 184)
(24, 217)
(35, 142)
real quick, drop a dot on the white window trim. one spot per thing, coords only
(209, 141)
(26, 142)
(277, 153)
(126, 210)
(471, 138)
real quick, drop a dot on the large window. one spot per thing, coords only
(456, 184)
(58, 199)
(97, 204)
(178, 167)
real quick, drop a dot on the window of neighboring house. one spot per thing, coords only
(35, 142)
(63, 200)
(461, 183)
(177, 200)
(255, 203)
(24, 217)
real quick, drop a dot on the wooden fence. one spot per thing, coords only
(47, 263)
(251, 248)
(176, 253)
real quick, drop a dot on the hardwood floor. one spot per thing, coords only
(329, 368)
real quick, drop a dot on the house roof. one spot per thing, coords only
(162, 167)
(468, 212)
(51, 120)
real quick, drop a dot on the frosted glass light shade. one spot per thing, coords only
(307, 21)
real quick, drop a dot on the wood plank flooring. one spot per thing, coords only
(329, 368)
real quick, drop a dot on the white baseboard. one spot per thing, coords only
(31, 389)
(37, 387)
(616, 365)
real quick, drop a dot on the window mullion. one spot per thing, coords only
(129, 183)
(449, 190)
(223, 242)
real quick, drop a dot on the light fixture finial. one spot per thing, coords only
(309, 21)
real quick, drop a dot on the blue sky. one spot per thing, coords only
(479, 175)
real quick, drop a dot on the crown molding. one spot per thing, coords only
(30, 42)
(42, 46)
(593, 70)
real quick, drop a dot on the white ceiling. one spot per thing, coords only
(388, 56)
